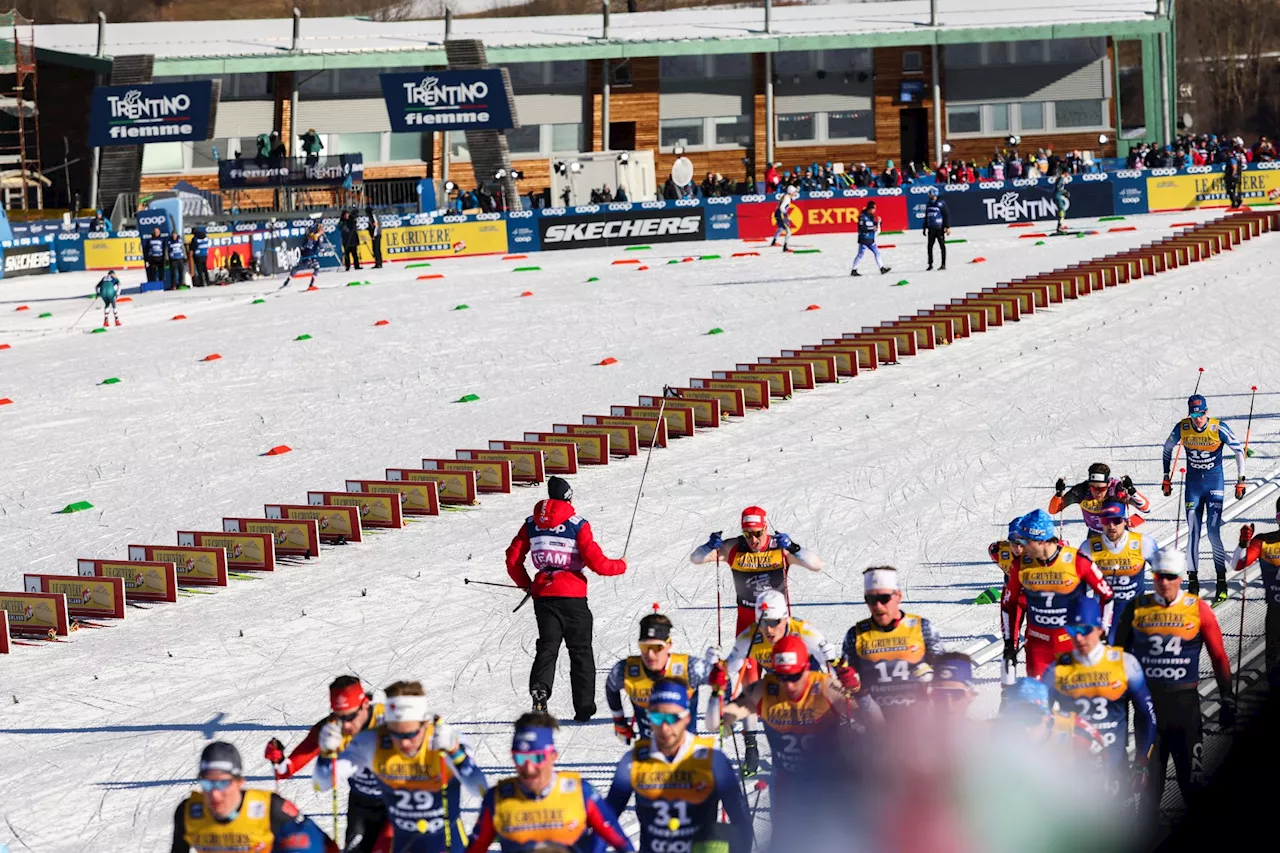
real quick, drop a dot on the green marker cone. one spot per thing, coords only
(257, 302)
(468, 398)
(462, 307)
(716, 331)
(303, 338)
(110, 381)
(76, 507)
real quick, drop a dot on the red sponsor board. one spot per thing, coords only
(820, 216)
(218, 255)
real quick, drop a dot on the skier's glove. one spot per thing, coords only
(1126, 482)
(1246, 535)
(848, 676)
(1227, 712)
(784, 542)
(718, 678)
(715, 541)
(622, 728)
(1060, 487)
(1166, 486)
(1240, 484)
(331, 738)
(274, 751)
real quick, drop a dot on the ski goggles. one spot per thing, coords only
(208, 785)
(1167, 576)
(661, 718)
(790, 677)
(1112, 522)
(1081, 630)
(770, 623)
(535, 759)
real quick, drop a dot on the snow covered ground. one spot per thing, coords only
(918, 465)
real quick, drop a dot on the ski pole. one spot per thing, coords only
(761, 785)
(1244, 593)
(92, 302)
(333, 771)
(444, 799)
(523, 601)
(643, 474)
(490, 583)
(1199, 376)
(1253, 393)
(719, 615)
(1182, 501)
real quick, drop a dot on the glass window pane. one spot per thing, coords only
(964, 119)
(731, 65)
(793, 62)
(315, 83)
(850, 124)
(359, 81)
(566, 138)
(525, 74)
(574, 71)
(999, 118)
(1075, 50)
(998, 53)
(368, 144)
(525, 140)
(406, 146)
(682, 67)
(797, 127)
(1031, 116)
(206, 153)
(1027, 52)
(1077, 113)
(962, 55)
(680, 131)
(162, 157)
(733, 130)
(458, 149)
(854, 59)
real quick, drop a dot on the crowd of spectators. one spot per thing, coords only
(1207, 149)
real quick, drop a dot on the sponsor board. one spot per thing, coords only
(86, 596)
(421, 498)
(245, 551)
(28, 260)
(444, 240)
(679, 421)
(492, 475)
(623, 438)
(755, 390)
(527, 466)
(1193, 192)
(113, 253)
(337, 524)
(427, 101)
(333, 170)
(591, 449)
(36, 613)
(650, 431)
(732, 401)
(456, 488)
(820, 216)
(69, 249)
(1021, 204)
(290, 537)
(381, 510)
(150, 112)
(706, 412)
(6, 644)
(822, 368)
(143, 580)
(621, 229)
(558, 457)
(195, 566)
(779, 378)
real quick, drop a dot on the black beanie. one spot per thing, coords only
(558, 489)
(222, 756)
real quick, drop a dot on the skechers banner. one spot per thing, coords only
(150, 112)
(423, 101)
(622, 228)
(330, 171)
(28, 260)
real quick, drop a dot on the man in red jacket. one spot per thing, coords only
(560, 544)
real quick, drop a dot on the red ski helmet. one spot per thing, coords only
(753, 518)
(790, 655)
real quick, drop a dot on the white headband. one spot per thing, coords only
(405, 709)
(880, 579)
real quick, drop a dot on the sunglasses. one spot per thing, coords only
(347, 718)
(1080, 630)
(882, 598)
(536, 759)
(770, 623)
(789, 677)
(407, 735)
(208, 785)
(1111, 522)
(754, 534)
(1166, 577)
(660, 718)
(652, 647)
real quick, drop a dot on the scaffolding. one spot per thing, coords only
(20, 176)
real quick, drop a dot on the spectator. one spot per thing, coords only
(1053, 163)
(177, 255)
(278, 151)
(861, 177)
(911, 175)
(621, 194)
(891, 177)
(311, 145)
(374, 228)
(1264, 151)
(943, 173)
(99, 225)
(1013, 166)
(350, 240)
(199, 248)
(997, 168)
(264, 150)
(155, 252)
(708, 186)
(772, 178)
(670, 191)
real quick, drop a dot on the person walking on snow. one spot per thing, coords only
(560, 544)
(1204, 438)
(758, 561)
(782, 217)
(107, 290)
(937, 226)
(869, 225)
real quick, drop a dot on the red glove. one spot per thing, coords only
(1166, 486)
(848, 676)
(1240, 488)
(718, 679)
(1246, 535)
(274, 753)
(622, 728)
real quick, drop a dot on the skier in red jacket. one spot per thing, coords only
(560, 545)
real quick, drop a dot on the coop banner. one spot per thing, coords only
(593, 225)
(828, 212)
(1018, 201)
(150, 112)
(1258, 183)
(445, 239)
(426, 101)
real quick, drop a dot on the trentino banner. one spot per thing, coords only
(425, 101)
(150, 112)
(333, 170)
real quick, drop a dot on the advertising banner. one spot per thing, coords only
(1007, 201)
(37, 259)
(113, 253)
(245, 551)
(447, 237)
(150, 112)
(1128, 192)
(837, 214)
(223, 246)
(597, 225)
(426, 101)
(337, 524)
(92, 597)
(292, 538)
(36, 613)
(1207, 190)
(69, 248)
(413, 498)
(329, 171)
(196, 566)
(143, 581)
(722, 218)
(376, 510)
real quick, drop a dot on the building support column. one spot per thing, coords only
(768, 111)
(937, 107)
(604, 105)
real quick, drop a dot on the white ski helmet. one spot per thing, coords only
(793, 191)
(1169, 562)
(771, 604)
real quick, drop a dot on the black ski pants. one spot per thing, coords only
(365, 817)
(1178, 734)
(939, 237)
(566, 620)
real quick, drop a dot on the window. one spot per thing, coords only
(566, 138)
(1086, 113)
(315, 83)
(912, 61)
(163, 157)
(1031, 116)
(206, 153)
(1075, 50)
(965, 118)
(526, 74)
(999, 53)
(797, 127)
(524, 140)
(360, 81)
(458, 149)
(732, 130)
(680, 131)
(999, 118)
(854, 59)
(792, 62)
(851, 124)
(962, 55)
(246, 86)
(406, 146)
(731, 66)
(682, 67)
(367, 144)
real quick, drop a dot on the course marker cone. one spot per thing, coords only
(45, 314)
(607, 361)
(462, 307)
(957, 240)
(303, 338)
(708, 257)
(4, 346)
(814, 307)
(112, 380)
(746, 254)
(988, 596)
(888, 245)
(179, 316)
(431, 276)
(418, 265)
(674, 261)
(978, 260)
(279, 450)
(527, 269)
(716, 331)
(593, 278)
(213, 356)
(97, 331)
(638, 269)
(22, 308)
(1122, 228)
(311, 288)
(687, 260)
(5, 401)
(469, 398)
(514, 257)
(257, 302)
(1110, 218)
(356, 283)
(902, 283)
(78, 506)
(622, 261)
(527, 293)
(806, 251)
(383, 323)
(639, 248)
(893, 232)
(1039, 242)
(125, 299)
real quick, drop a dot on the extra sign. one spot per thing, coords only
(151, 112)
(425, 101)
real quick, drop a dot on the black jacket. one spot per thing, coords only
(350, 234)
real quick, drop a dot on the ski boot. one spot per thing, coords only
(1193, 583)
(117, 322)
(941, 268)
(854, 272)
(540, 695)
(107, 325)
(1220, 591)
(585, 714)
(883, 270)
(930, 268)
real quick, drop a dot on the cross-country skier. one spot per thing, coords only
(355, 711)
(1008, 551)
(636, 675)
(224, 815)
(1061, 199)
(420, 763)
(108, 290)
(869, 225)
(1121, 555)
(541, 804)
(782, 216)
(309, 255)
(1025, 704)
(678, 780)
(1204, 438)
(1090, 494)
(1264, 549)
(1049, 577)
(758, 561)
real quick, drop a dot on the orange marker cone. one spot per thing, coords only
(814, 308)
(527, 293)
(607, 361)
(213, 356)
(978, 260)
(279, 450)
(179, 316)
(383, 323)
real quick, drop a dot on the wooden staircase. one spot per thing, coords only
(489, 151)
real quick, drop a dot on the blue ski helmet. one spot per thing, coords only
(1015, 532)
(1112, 508)
(933, 192)
(1197, 405)
(1036, 526)
(1084, 612)
(1028, 692)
